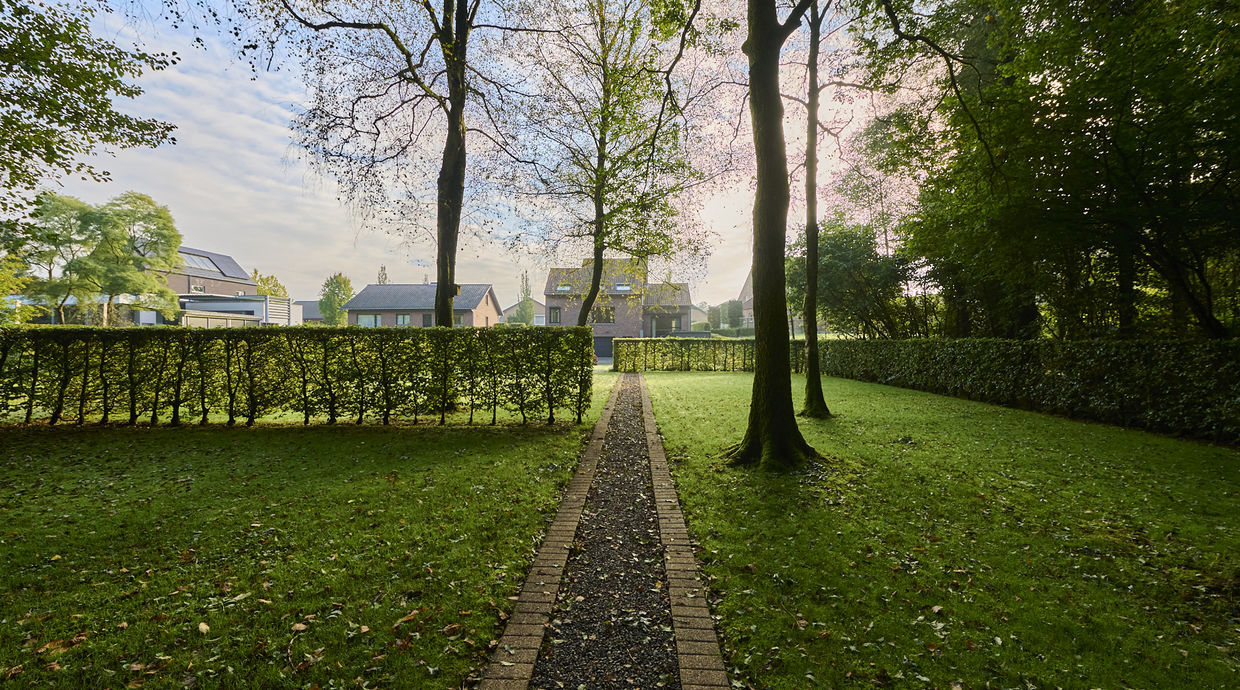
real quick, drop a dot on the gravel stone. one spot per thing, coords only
(611, 626)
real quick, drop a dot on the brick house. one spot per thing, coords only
(405, 304)
(627, 306)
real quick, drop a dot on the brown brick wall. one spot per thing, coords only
(628, 315)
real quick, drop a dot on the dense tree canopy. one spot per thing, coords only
(336, 290)
(269, 284)
(1079, 163)
(58, 84)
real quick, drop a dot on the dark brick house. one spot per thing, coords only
(627, 306)
(209, 273)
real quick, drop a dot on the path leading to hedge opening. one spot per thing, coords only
(614, 597)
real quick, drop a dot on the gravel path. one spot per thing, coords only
(611, 626)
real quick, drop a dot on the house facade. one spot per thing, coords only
(209, 273)
(413, 305)
(627, 305)
(540, 312)
(746, 300)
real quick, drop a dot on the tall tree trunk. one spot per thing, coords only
(600, 187)
(596, 273)
(451, 183)
(772, 438)
(815, 403)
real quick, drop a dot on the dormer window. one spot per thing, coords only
(563, 287)
(624, 287)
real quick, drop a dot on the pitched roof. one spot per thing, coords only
(666, 295)
(415, 296)
(225, 263)
(538, 306)
(623, 271)
(746, 295)
(309, 309)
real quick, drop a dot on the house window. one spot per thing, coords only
(624, 287)
(402, 319)
(488, 321)
(603, 315)
(563, 287)
(368, 320)
(458, 319)
(554, 315)
(198, 288)
(427, 320)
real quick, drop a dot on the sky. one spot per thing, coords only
(234, 185)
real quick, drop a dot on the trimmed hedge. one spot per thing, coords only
(1189, 387)
(681, 354)
(344, 374)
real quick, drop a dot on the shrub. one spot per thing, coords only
(372, 374)
(1189, 387)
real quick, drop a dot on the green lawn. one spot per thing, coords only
(947, 542)
(272, 556)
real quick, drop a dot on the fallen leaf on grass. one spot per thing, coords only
(122, 625)
(52, 666)
(412, 614)
(204, 628)
(451, 629)
(298, 627)
(365, 629)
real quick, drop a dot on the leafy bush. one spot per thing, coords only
(1189, 387)
(373, 374)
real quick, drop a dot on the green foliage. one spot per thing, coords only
(524, 313)
(58, 86)
(359, 375)
(75, 250)
(738, 332)
(60, 232)
(713, 317)
(13, 281)
(136, 239)
(958, 542)
(336, 291)
(735, 312)
(610, 144)
(682, 354)
(1078, 177)
(237, 522)
(269, 284)
(1182, 387)
(861, 291)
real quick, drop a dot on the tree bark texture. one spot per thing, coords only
(772, 438)
(815, 402)
(451, 182)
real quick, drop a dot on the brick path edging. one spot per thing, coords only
(512, 663)
(697, 647)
